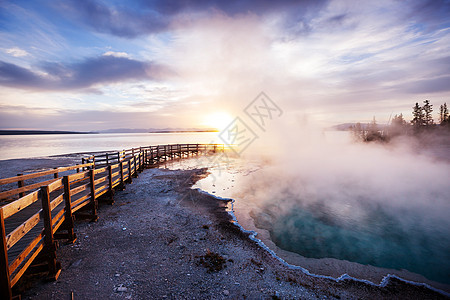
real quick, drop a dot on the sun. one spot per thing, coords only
(217, 120)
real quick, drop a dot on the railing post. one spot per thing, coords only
(71, 236)
(93, 200)
(107, 158)
(122, 183)
(56, 174)
(110, 187)
(139, 159)
(129, 172)
(20, 184)
(5, 281)
(135, 174)
(50, 244)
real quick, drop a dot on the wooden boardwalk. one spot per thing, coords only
(42, 206)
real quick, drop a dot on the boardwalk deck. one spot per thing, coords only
(32, 215)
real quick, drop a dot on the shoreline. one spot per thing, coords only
(327, 267)
(91, 263)
(343, 276)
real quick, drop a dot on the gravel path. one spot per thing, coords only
(163, 240)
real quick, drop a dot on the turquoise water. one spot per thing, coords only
(380, 239)
(410, 230)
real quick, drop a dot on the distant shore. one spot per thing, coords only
(33, 132)
(42, 132)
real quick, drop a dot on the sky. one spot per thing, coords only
(89, 65)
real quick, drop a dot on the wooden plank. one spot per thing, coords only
(42, 173)
(55, 202)
(21, 257)
(6, 194)
(116, 182)
(57, 217)
(24, 228)
(5, 283)
(58, 220)
(99, 194)
(96, 171)
(79, 189)
(50, 246)
(93, 197)
(16, 206)
(78, 176)
(80, 203)
(68, 210)
(55, 185)
(100, 180)
(27, 264)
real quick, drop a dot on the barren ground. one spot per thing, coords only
(163, 240)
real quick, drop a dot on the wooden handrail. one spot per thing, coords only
(120, 168)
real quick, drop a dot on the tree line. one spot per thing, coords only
(422, 121)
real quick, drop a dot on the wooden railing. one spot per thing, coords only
(35, 215)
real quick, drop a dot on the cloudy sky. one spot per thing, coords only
(93, 64)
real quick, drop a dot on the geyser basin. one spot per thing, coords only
(379, 239)
(352, 205)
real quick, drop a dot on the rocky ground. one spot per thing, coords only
(163, 240)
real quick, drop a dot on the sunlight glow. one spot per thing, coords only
(217, 120)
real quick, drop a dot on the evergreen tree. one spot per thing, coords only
(398, 126)
(418, 117)
(444, 117)
(427, 113)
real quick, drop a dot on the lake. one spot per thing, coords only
(29, 146)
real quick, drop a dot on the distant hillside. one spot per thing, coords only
(30, 132)
(157, 130)
(348, 126)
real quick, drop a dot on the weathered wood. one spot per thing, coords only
(16, 206)
(99, 170)
(93, 199)
(78, 176)
(122, 182)
(79, 189)
(27, 264)
(6, 194)
(5, 283)
(53, 186)
(20, 184)
(130, 180)
(58, 220)
(55, 202)
(110, 185)
(50, 244)
(68, 209)
(100, 180)
(40, 174)
(80, 203)
(24, 254)
(14, 236)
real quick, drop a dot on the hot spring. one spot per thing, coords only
(375, 205)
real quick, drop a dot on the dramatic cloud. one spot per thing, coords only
(85, 74)
(17, 52)
(333, 61)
